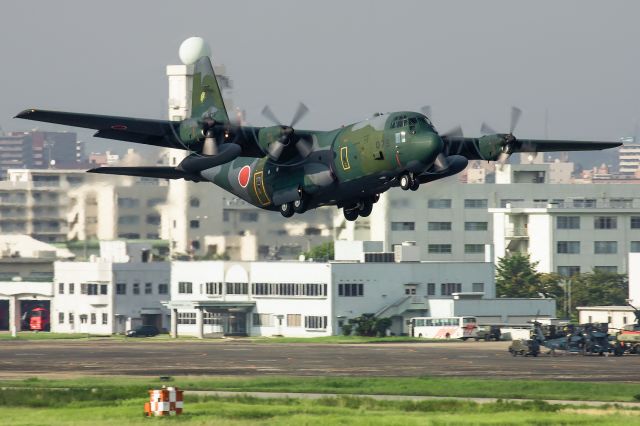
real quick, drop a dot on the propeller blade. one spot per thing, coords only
(299, 114)
(269, 115)
(485, 129)
(426, 110)
(275, 149)
(456, 132)
(515, 116)
(304, 147)
(441, 162)
(503, 157)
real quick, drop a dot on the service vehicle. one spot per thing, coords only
(39, 320)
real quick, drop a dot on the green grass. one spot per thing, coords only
(30, 335)
(123, 405)
(427, 386)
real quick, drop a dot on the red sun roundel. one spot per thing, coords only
(243, 176)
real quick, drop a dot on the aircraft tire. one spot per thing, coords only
(415, 185)
(351, 215)
(300, 206)
(286, 209)
(366, 209)
(405, 181)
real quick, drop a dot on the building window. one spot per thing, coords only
(72, 288)
(605, 247)
(89, 289)
(60, 288)
(136, 288)
(213, 288)
(194, 224)
(635, 247)
(568, 271)
(237, 288)
(289, 289)
(584, 203)
(477, 287)
(248, 216)
(431, 289)
(447, 289)
(294, 320)
(105, 319)
(225, 216)
(439, 226)
(121, 288)
(103, 289)
(568, 222)
(475, 203)
(476, 226)
(60, 317)
(148, 288)
(186, 318)
(185, 287)
(194, 202)
(439, 248)
(635, 222)
(474, 248)
(607, 269)
(568, 247)
(262, 320)
(129, 220)
(605, 222)
(317, 322)
(152, 202)
(128, 202)
(83, 319)
(439, 203)
(211, 318)
(403, 226)
(93, 318)
(71, 318)
(350, 290)
(163, 288)
(153, 219)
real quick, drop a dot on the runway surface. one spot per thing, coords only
(141, 357)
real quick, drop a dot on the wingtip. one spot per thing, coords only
(25, 113)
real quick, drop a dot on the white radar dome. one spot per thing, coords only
(193, 49)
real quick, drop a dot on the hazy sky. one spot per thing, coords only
(470, 60)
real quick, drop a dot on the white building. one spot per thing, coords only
(455, 221)
(311, 299)
(629, 157)
(116, 292)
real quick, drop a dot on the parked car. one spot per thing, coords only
(143, 331)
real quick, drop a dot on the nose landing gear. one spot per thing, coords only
(408, 181)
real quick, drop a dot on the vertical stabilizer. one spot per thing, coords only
(206, 94)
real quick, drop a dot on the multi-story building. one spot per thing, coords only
(455, 221)
(629, 157)
(119, 291)
(35, 150)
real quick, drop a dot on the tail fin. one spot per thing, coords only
(206, 92)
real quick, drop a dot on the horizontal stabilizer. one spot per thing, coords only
(152, 172)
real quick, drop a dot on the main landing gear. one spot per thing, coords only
(298, 206)
(362, 208)
(408, 181)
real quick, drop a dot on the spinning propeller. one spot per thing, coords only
(510, 141)
(287, 133)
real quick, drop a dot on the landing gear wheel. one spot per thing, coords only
(300, 206)
(351, 214)
(405, 181)
(366, 208)
(286, 209)
(415, 184)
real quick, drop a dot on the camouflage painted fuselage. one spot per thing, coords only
(345, 165)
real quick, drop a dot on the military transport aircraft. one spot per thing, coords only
(291, 170)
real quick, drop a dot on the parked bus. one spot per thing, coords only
(444, 327)
(39, 320)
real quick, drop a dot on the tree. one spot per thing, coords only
(599, 288)
(516, 276)
(321, 253)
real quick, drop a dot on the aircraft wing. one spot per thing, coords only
(139, 130)
(152, 172)
(490, 147)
